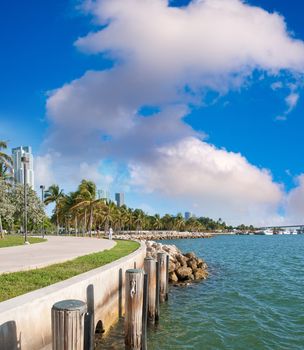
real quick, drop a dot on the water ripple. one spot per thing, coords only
(252, 300)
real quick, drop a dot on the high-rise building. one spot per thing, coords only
(102, 194)
(188, 215)
(17, 154)
(120, 199)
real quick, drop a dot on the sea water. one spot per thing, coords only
(253, 298)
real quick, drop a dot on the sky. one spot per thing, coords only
(183, 105)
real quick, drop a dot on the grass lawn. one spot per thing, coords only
(17, 283)
(10, 241)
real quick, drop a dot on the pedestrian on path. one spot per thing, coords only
(110, 233)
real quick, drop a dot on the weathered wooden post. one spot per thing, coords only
(134, 309)
(162, 263)
(68, 325)
(145, 313)
(167, 271)
(157, 309)
(150, 270)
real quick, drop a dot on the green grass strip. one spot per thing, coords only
(10, 241)
(18, 283)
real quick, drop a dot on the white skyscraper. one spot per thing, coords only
(103, 194)
(120, 199)
(17, 153)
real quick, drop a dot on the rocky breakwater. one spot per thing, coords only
(183, 268)
(161, 235)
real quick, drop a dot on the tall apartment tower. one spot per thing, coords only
(120, 199)
(17, 154)
(102, 194)
(188, 215)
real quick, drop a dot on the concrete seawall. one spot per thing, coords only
(25, 321)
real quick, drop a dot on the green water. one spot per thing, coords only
(253, 298)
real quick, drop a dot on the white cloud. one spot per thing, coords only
(165, 55)
(222, 183)
(295, 203)
(169, 58)
(281, 118)
(277, 85)
(44, 174)
(291, 101)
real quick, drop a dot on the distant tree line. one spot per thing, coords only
(82, 213)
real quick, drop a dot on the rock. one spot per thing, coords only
(192, 264)
(181, 259)
(200, 274)
(190, 255)
(172, 267)
(173, 277)
(183, 273)
(177, 265)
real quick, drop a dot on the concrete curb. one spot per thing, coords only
(25, 321)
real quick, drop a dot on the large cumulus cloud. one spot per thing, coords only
(168, 58)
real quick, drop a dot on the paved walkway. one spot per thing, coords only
(55, 250)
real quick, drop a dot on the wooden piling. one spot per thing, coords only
(68, 325)
(150, 270)
(134, 309)
(157, 309)
(162, 262)
(167, 277)
(145, 313)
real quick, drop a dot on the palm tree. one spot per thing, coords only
(179, 222)
(139, 219)
(109, 214)
(6, 162)
(157, 223)
(86, 199)
(54, 195)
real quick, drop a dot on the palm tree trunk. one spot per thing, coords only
(1, 228)
(76, 226)
(57, 222)
(106, 227)
(85, 222)
(91, 220)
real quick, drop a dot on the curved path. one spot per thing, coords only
(55, 250)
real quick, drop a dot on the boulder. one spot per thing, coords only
(173, 277)
(181, 259)
(200, 274)
(172, 267)
(190, 255)
(183, 273)
(192, 264)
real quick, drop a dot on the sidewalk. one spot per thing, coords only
(55, 250)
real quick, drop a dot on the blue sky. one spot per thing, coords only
(39, 55)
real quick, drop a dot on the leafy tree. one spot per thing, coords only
(6, 207)
(35, 209)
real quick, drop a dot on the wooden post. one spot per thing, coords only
(145, 313)
(167, 272)
(157, 310)
(162, 262)
(134, 309)
(68, 325)
(150, 270)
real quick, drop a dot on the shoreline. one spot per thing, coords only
(161, 235)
